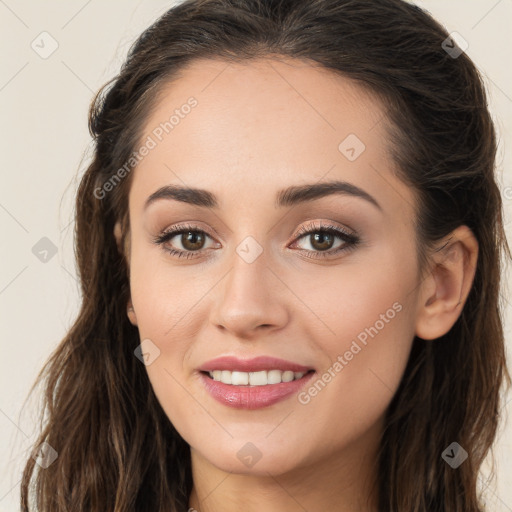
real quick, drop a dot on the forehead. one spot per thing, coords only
(263, 124)
(261, 96)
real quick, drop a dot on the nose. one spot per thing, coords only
(250, 300)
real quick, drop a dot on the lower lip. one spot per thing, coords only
(253, 397)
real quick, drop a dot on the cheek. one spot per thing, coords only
(370, 319)
(366, 299)
(165, 309)
(163, 296)
(367, 313)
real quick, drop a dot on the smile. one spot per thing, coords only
(260, 378)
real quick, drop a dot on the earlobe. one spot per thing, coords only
(131, 313)
(122, 242)
(117, 235)
(445, 290)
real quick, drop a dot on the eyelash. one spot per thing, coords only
(351, 239)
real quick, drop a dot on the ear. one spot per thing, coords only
(122, 250)
(131, 313)
(117, 235)
(444, 291)
(122, 246)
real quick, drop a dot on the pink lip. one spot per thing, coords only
(252, 365)
(252, 397)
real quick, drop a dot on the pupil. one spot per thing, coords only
(191, 240)
(323, 244)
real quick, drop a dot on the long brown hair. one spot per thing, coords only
(117, 450)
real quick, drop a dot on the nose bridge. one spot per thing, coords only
(249, 268)
(249, 295)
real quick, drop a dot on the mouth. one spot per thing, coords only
(257, 378)
(253, 383)
(253, 390)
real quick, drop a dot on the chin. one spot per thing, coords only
(258, 458)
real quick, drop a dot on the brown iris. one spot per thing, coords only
(192, 240)
(325, 241)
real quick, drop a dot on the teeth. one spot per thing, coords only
(258, 378)
(239, 378)
(261, 378)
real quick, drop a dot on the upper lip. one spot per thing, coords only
(232, 363)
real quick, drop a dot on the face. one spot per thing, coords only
(325, 281)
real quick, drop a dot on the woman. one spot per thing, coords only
(289, 243)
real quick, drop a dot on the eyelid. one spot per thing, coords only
(324, 225)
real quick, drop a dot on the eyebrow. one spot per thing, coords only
(287, 197)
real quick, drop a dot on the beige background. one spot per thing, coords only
(45, 140)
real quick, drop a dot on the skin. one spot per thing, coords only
(259, 127)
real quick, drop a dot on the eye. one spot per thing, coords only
(189, 236)
(321, 239)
